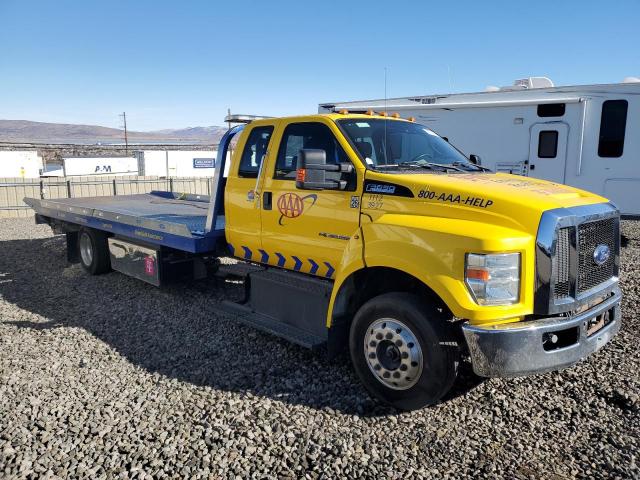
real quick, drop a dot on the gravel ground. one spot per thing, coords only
(104, 377)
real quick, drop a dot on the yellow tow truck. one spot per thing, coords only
(371, 233)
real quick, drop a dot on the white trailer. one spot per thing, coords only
(84, 166)
(177, 163)
(20, 164)
(587, 136)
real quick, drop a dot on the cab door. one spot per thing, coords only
(548, 151)
(242, 198)
(308, 230)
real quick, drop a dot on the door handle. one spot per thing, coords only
(266, 200)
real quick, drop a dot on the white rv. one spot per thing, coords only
(587, 136)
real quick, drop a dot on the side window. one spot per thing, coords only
(306, 135)
(254, 150)
(551, 109)
(613, 124)
(548, 144)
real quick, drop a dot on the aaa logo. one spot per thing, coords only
(291, 205)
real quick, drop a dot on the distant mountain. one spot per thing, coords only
(24, 131)
(192, 132)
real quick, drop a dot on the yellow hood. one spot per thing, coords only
(507, 200)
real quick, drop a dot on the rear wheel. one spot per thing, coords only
(403, 350)
(94, 251)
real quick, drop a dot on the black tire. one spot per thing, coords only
(97, 261)
(439, 350)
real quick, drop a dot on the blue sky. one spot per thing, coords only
(183, 63)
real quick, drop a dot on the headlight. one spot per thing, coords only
(493, 279)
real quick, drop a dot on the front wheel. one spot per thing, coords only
(403, 350)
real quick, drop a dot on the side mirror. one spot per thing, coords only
(312, 169)
(475, 159)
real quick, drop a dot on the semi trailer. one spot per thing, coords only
(371, 234)
(20, 164)
(176, 163)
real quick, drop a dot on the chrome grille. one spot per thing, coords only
(567, 276)
(561, 266)
(590, 235)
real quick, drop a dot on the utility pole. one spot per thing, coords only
(126, 141)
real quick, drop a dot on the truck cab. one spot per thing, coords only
(400, 222)
(372, 234)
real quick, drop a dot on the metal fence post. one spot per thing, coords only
(68, 188)
(115, 187)
(171, 184)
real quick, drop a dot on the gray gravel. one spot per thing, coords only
(104, 377)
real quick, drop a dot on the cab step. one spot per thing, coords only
(240, 270)
(287, 304)
(243, 314)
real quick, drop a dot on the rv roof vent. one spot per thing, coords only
(631, 80)
(492, 88)
(533, 82)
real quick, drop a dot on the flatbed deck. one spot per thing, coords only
(187, 222)
(159, 218)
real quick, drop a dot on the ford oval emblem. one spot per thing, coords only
(601, 254)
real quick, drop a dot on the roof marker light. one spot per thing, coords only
(343, 111)
(412, 119)
(370, 112)
(383, 114)
(395, 115)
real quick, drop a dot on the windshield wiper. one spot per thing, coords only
(469, 164)
(432, 166)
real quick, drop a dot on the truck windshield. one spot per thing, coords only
(393, 144)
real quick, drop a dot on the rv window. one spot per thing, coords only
(548, 144)
(551, 110)
(253, 152)
(612, 127)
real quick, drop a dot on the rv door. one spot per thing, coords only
(548, 151)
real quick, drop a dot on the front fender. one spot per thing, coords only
(352, 261)
(432, 249)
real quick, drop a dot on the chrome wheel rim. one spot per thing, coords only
(86, 249)
(393, 354)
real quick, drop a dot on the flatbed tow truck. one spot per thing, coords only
(371, 233)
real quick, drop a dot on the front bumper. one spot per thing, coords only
(517, 349)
